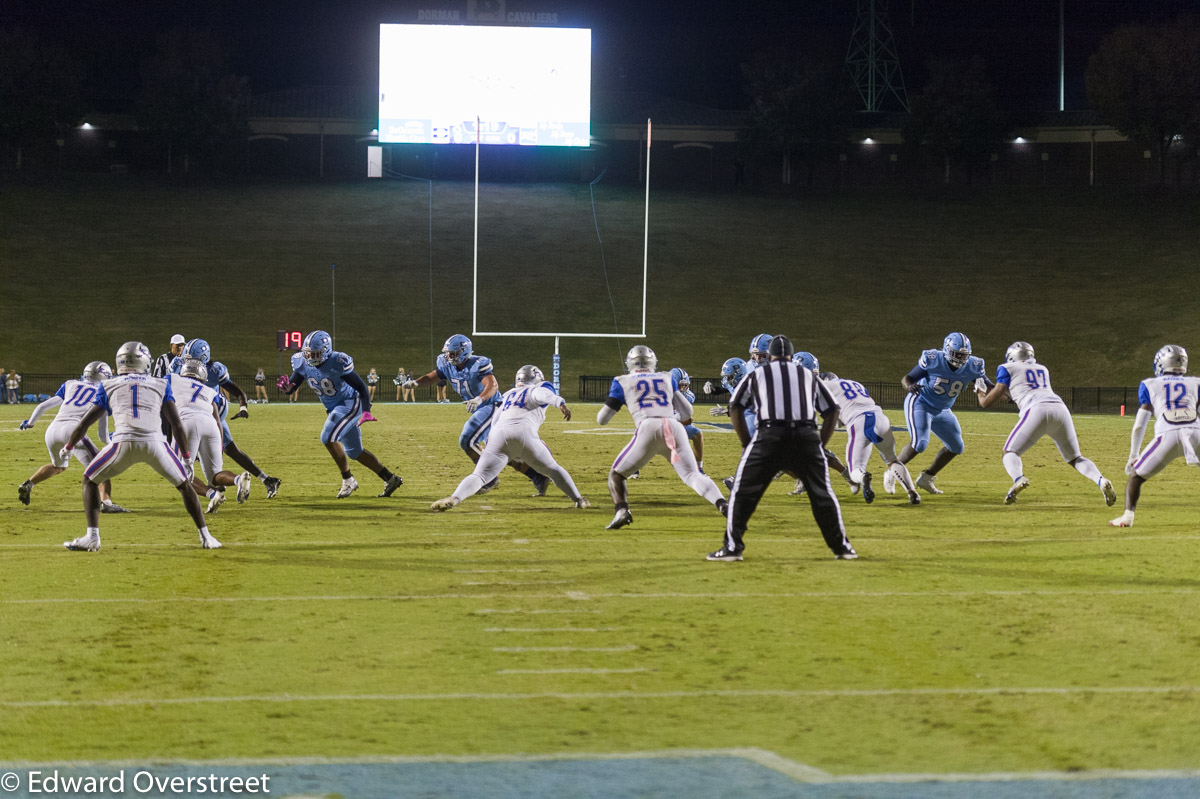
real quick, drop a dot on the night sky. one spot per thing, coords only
(689, 50)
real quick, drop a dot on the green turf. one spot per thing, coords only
(866, 279)
(968, 638)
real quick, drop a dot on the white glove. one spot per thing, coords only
(1133, 459)
(64, 453)
(410, 384)
(473, 404)
(981, 384)
(708, 387)
(718, 410)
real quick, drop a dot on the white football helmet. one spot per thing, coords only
(530, 375)
(195, 368)
(97, 371)
(1019, 351)
(641, 359)
(1171, 360)
(134, 357)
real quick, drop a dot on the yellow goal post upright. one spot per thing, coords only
(557, 367)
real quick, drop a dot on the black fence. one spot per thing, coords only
(890, 394)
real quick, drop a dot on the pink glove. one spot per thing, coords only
(283, 382)
(367, 417)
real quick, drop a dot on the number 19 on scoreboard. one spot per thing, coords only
(289, 339)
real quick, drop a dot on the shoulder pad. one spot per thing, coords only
(297, 361)
(977, 363)
(929, 357)
(217, 368)
(482, 363)
(548, 385)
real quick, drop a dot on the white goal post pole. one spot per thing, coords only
(646, 234)
(557, 369)
(475, 257)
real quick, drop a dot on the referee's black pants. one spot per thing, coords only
(776, 448)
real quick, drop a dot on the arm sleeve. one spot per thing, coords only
(102, 429)
(823, 400)
(542, 395)
(355, 382)
(918, 372)
(44, 406)
(1139, 432)
(607, 412)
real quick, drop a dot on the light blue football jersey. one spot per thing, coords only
(941, 384)
(468, 378)
(217, 373)
(328, 379)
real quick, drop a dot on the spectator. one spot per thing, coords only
(260, 386)
(14, 388)
(163, 364)
(410, 394)
(398, 382)
(372, 383)
(441, 392)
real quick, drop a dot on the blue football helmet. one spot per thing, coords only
(197, 349)
(759, 346)
(317, 347)
(808, 361)
(1171, 359)
(457, 349)
(958, 350)
(733, 371)
(682, 378)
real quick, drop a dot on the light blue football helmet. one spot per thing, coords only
(683, 378)
(197, 349)
(759, 346)
(317, 347)
(808, 361)
(958, 349)
(733, 370)
(457, 349)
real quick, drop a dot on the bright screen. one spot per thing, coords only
(528, 86)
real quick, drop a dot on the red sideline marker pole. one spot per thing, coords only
(1122, 410)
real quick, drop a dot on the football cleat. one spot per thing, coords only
(23, 492)
(490, 485)
(208, 542)
(393, 482)
(723, 507)
(798, 489)
(914, 498)
(272, 484)
(726, 555)
(889, 482)
(854, 487)
(582, 503)
(215, 503)
(242, 481)
(112, 507)
(444, 504)
(622, 518)
(1110, 494)
(349, 486)
(848, 554)
(85, 543)
(925, 481)
(867, 492)
(1019, 485)
(540, 483)
(1124, 520)
(728, 483)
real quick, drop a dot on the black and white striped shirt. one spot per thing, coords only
(783, 391)
(162, 366)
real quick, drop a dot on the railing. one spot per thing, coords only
(890, 394)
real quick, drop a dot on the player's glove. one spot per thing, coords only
(708, 387)
(473, 404)
(283, 382)
(1133, 459)
(718, 410)
(915, 388)
(242, 414)
(367, 417)
(410, 384)
(981, 384)
(25, 425)
(65, 452)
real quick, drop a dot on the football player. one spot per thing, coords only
(199, 406)
(515, 435)
(1171, 398)
(866, 426)
(347, 404)
(933, 385)
(694, 434)
(1042, 413)
(137, 402)
(218, 378)
(471, 375)
(653, 399)
(75, 397)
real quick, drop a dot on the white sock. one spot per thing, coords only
(1013, 465)
(902, 474)
(263, 476)
(204, 533)
(856, 476)
(1088, 470)
(703, 485)
(93, 531)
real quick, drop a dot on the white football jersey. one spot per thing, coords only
(526, 405)
(135, 403)
(852, 398)
(77, 399)
(1173, 398)
(1028, 383)
(650, 395)
(192, 398)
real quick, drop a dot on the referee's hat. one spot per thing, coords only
(781, 347)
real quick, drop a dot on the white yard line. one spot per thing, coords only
(522, 649)
(530, 611)
(553, 629)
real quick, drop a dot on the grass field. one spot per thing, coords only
(970, 638)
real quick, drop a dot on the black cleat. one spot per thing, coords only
(112, 507)
(867, 492)
(847, 554)
(393, 482)
(540, 483)
(23, 492)
(272, 484)
(723, 507)
(622, 518)
(726, 554)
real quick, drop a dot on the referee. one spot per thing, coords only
(786, 398)
(162, 365)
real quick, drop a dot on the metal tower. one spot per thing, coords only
(871, 58)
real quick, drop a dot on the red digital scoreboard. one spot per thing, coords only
(289, 339)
